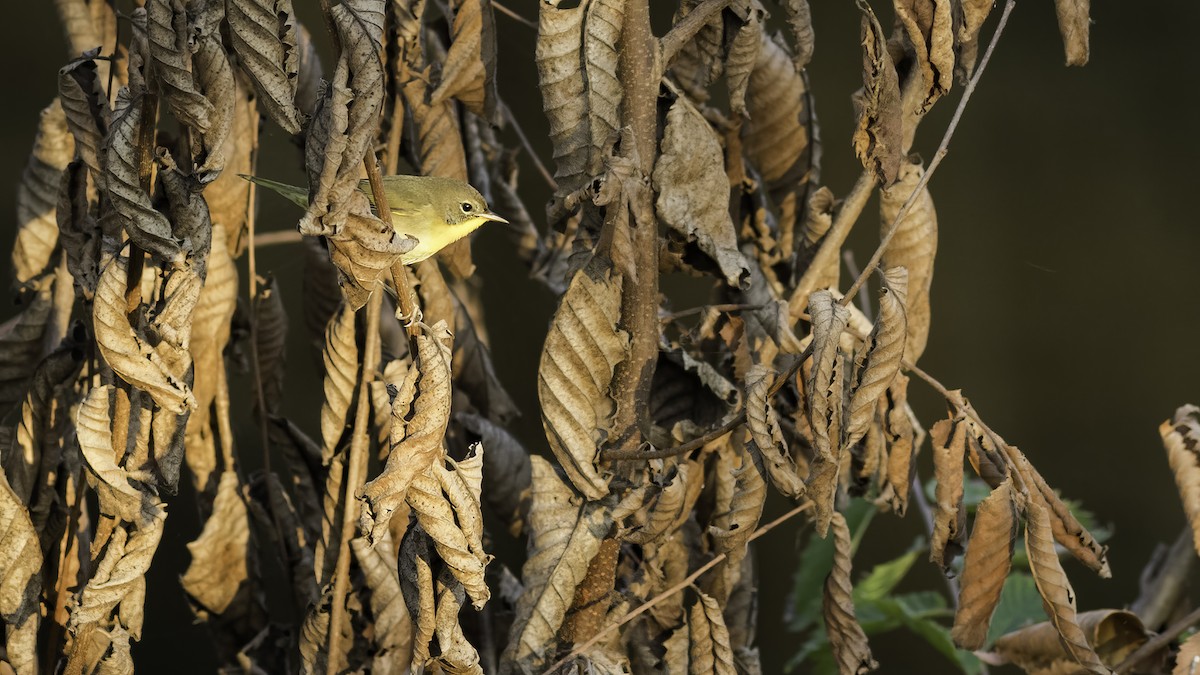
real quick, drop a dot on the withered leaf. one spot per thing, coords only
(341, 371)
(220, 566)
(474, 370)
(393, 624)
(581, 351)
(1188, 660)
(985, 566)
(967, 22)
(271, 326)
(506, 474)
(776, 135)
(878, 360)
(823, 393)
(457, 654)
(415, 443)
(763, 424)
(168, 30)
(927, 27)
(879, 135)
(693, 190)
(20, 579)
(22, 341)
(913, 247)
(469, 72)
(901, 443)
(701, 59)
(127, 352)
(37, 194)
(86, 107)
(215, 78)
(709, 650)
(1057, 595)
(745, 40)
(36, 426)
(263, 34)
(846, 636)
(438, 519)
(1181, 438)
(949, 438)
(228, 196)
(799, 19)
(363, 249)
(1114, 634)
(1074, 24)
(563, 539)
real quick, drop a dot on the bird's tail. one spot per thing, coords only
(296, 195)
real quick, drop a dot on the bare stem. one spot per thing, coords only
(277, 237)
(686, 582)
(943, 148)
(1158, 642)
(514, 16)
(533, 156)
(687, 28)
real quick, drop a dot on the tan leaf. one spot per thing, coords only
(743, 55)
(88, 24)
(824, 395)
(127, 352)
(693, 190)
(913, 247)
(93, 428)
(672, 506)
(462, 486)
(122, 185)
(927, 27)
(1188, 660)
(333, 504)
(392, 622)
(1114, 634)
(228, 196)
(23, 460)
(878, 137)
(677, 645)
(985, 566)
(20, 580)
(171, 57)
(708, 650)
(701, 60)
(878, 360)
(415, 442)
(949, 439)
(416, 584)
(347, 117)
(601, 34)
(581, 351)
(506, 474)
(457, 654)
(469, 72)
(763, 424)
(263, 35)
(1074, 25)
(214, 75)
(846, 636)
(37, 194)
(799, 19)
(220, 556)
(341, 371)
(1181, 438)
(563, 539)
(1057, 595)
(967, 23)
(730, 531)
(364, 249)
(776, 136)
(85, 106)
(438, 519)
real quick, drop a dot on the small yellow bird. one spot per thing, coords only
(435, 211)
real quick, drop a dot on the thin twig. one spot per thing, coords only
(687, 28)
(918, 495)
(645, 606)
(673, 316)
(943, 148)
(277, 237)
(514, 16)
(1158, 642)
(864, 299)
(533, 156)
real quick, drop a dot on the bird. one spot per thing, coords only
(433, 210)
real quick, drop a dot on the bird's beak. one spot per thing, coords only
(488, 215)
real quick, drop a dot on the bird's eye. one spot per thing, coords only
(467, 207)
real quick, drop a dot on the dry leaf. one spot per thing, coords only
(341, 371)
(823, 393)
(879, 135)
(913, 247)
(37, 194)
(730, 531)
(708, 650)
(878, 360)
(700, 61)
(475, 372)
(949, 450)
(469, 72)
(1074, 25)
(1188, 660)
(415, 442)
(846, 637)
(769, 443)
(693, 190)
(745, 39)
(219, 578)
(967, 22)
(1114, 634)
(263, 35)
(228, 196)
(506, 473)
(36, 425)
(900, 446)
(927, 27)
(86, 107)
(1181, 438)
(215, 78)
(22, 341)
(364, 249)
(985, 566)
(20, 581)
(1057, 595)
(582, 349)
(776, 136)
(169, 32)
(563, 539)
(457, 654)
(271, 327)
(438, 519)
(393, 624)
(799, 19)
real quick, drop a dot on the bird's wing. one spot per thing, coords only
(296, 195)
(398, 210)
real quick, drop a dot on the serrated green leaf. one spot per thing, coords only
(885, 576)
(1020, 605)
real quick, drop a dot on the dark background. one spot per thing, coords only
(1065, 297)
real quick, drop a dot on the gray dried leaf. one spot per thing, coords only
(582, 350)
(22, 341)
(693, 190)
(86, 107)
(879, 136)
(263, 35)
(799, 20)
(506, 473)
(393, 625)
(214, 76)
(169, 34)
(745, 39)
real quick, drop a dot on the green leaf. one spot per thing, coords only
(804, 606)
(1020, 605)
(974, 491)
(917, 611)
(885, 576)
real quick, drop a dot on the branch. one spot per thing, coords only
(1158, 642)
(937, 159)
(645, 606)
(687, 28)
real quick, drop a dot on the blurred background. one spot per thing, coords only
(1065, 297)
